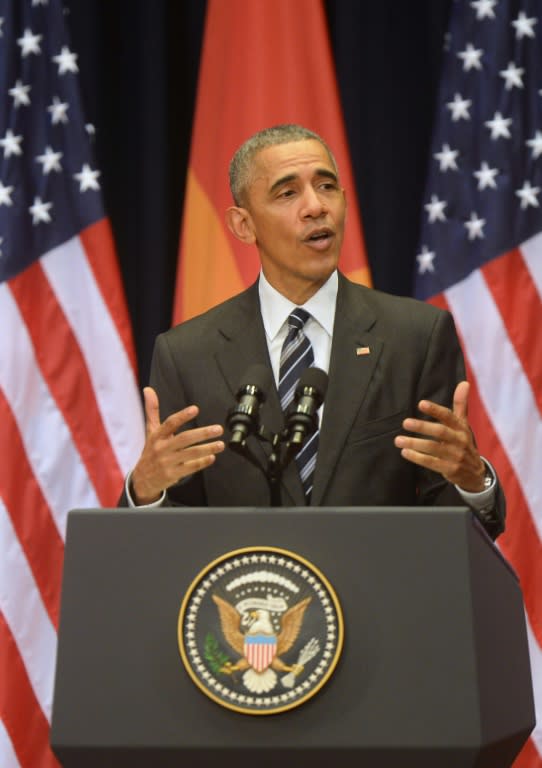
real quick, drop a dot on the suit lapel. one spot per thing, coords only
(354, 354)
(243, 344)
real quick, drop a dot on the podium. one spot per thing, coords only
(434, 670)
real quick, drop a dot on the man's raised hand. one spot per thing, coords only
(445, 444)
(168, 457)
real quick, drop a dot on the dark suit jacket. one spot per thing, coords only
(414, 353)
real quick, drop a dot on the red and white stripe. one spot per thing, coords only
(260, 654)
(72, 427)
(498, 313)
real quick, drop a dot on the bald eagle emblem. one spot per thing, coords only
(252, 635)
(260, 630)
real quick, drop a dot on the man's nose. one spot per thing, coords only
(313, 205)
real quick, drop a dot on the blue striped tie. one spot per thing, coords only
(297, 355)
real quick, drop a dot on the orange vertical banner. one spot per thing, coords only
(263, 62)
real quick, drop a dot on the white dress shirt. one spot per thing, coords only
(276, 309)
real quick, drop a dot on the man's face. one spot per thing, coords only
(296, 213)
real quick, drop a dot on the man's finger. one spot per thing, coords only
(152, 411)
(438, 412)
(450, 417)
(195, 453)
(461, 397)
(190, 437)
(173, 422)
(420, 446)
(435, 429)
(176, 420)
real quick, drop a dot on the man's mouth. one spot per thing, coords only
(321, 235)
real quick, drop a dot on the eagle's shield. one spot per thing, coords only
(260, 650)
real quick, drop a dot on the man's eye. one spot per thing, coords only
(286, 193)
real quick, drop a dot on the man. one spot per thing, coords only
(394, 428)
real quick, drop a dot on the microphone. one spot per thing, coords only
(244, 418)
(302, 418)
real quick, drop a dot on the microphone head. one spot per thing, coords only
(243, 417)
(315, 378)
(258, 376)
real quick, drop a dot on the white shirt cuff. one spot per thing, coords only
(483, 500)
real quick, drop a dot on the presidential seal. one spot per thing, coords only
(260, 630)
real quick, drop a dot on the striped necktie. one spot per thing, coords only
(297, 355)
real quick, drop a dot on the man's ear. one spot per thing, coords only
(240, 224)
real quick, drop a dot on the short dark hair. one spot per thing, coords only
(241, 163)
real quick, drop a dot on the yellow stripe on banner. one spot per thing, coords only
(209, 272)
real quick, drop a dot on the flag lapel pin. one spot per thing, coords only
(363, 351)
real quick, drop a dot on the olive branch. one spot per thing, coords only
(214, 654)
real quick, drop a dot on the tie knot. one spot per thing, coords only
(298, 318)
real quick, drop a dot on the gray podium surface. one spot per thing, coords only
(434, 671)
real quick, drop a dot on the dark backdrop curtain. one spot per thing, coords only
(138, 63)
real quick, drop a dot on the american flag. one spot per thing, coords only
(480, 256)
(70, 413)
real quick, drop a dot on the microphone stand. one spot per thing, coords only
(277, 460)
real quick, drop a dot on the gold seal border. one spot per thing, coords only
(256, 550)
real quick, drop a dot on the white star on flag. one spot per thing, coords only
(29, 43)
(20, 94)
(471, 57)
(1, 30)
(475, 226)
(524, 26)
(50, 160)
(11, 144)
(435, 209)
(66, 60)
(58, 110)
(499, 126)
(447, 158)
(40, 211)
(486, 176)
(536, 144)
(87, 178)
(484, 8)
(512, 75)
(425, 260)
(5, 195)
(528, 195)
(459, 107)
